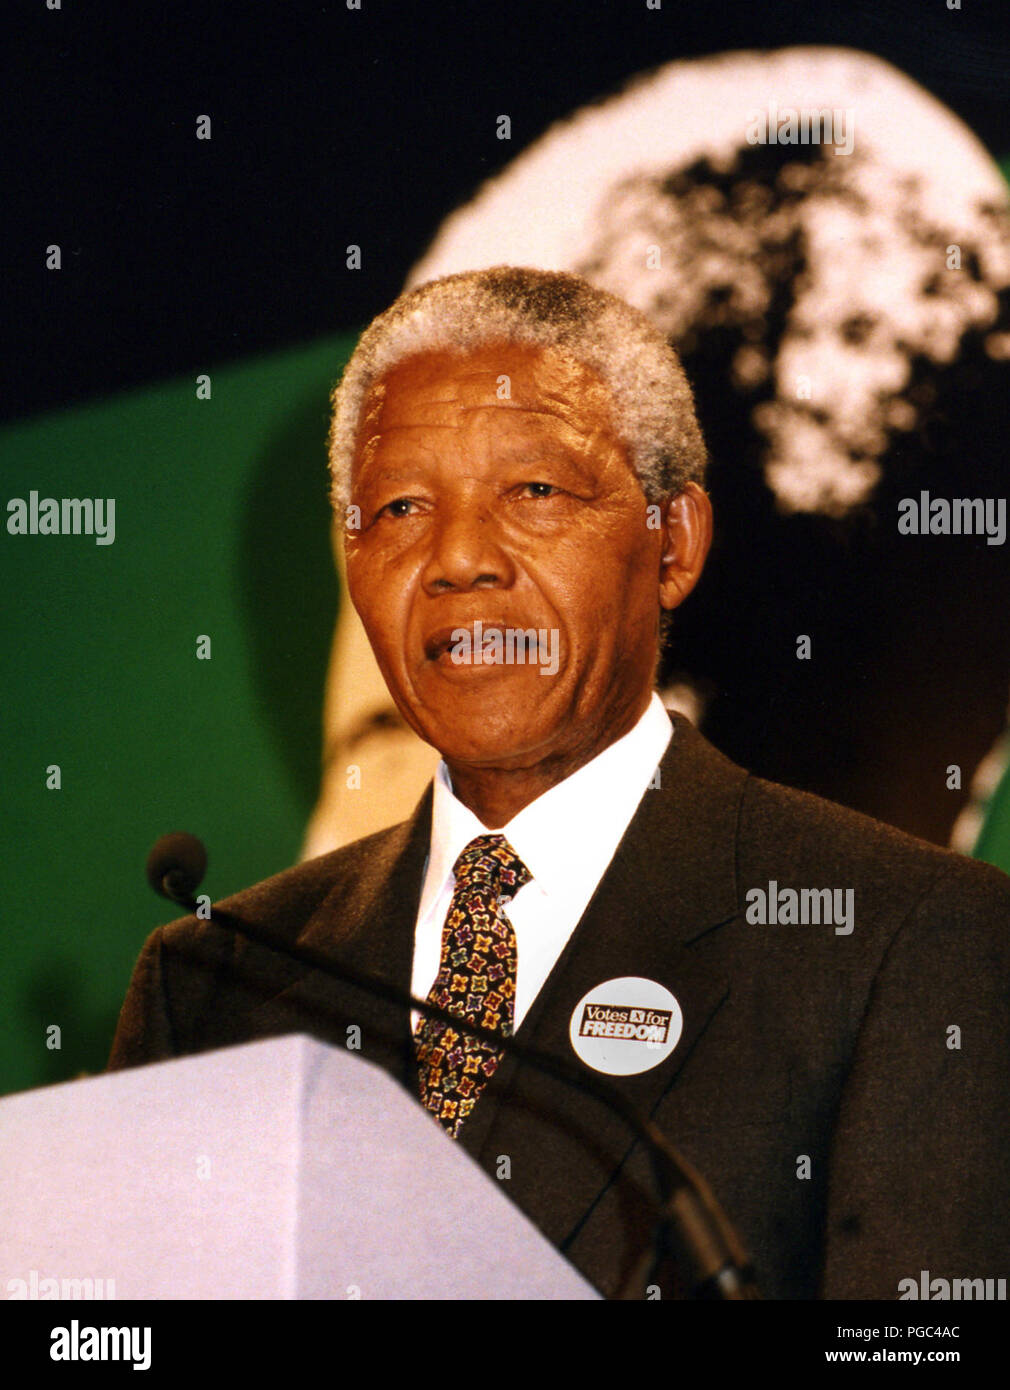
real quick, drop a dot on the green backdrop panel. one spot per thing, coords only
(993, 844)
(222, 530)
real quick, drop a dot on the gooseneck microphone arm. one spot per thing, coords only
(692, 1228)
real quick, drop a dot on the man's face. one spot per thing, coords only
(516, 508)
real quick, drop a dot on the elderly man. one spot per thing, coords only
(811, 1005)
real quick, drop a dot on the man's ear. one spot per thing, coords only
(687, 535)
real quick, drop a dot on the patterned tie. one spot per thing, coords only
(476, 981)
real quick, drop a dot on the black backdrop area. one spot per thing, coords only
(330, 125)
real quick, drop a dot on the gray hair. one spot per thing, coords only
(654, 413)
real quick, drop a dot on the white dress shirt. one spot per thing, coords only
(566, 838)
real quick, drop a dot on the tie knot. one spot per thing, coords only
(491, 860)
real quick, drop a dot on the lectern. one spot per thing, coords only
(277, 1169)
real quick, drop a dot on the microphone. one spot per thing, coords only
(692, 1228)
(176, 866)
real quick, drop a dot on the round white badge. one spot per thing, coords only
(626, 1026)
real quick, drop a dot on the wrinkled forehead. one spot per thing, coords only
(517, 387)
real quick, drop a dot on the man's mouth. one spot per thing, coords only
(489, 645)
(458, 645)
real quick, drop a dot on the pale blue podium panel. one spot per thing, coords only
(277, 1169)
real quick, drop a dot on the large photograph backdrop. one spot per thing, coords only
(176, 351)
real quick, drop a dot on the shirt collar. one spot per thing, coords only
(575, 824)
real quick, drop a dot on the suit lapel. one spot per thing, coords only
(656, 913)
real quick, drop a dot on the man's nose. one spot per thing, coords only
(467, 552)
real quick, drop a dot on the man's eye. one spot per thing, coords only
(541, 489)
(400, 506)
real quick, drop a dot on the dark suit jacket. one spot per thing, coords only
(797, 1041)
